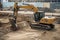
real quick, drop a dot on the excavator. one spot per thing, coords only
(41, 21)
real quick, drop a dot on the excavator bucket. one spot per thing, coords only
(13, 23)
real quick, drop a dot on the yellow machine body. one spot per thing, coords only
(47, 20)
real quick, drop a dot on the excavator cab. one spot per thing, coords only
(39, 15)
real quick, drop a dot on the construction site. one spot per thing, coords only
(29, 19)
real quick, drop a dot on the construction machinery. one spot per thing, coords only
(41, 22)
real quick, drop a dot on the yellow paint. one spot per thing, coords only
(47, 20)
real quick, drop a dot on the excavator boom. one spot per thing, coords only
(31, 7)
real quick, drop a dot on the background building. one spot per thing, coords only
(44, 4)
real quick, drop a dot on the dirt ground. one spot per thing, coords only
(26, 33)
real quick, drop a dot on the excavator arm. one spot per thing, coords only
(31, 7)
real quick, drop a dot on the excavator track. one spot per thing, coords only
(42, 26)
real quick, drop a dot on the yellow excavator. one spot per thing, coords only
(41, 22)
